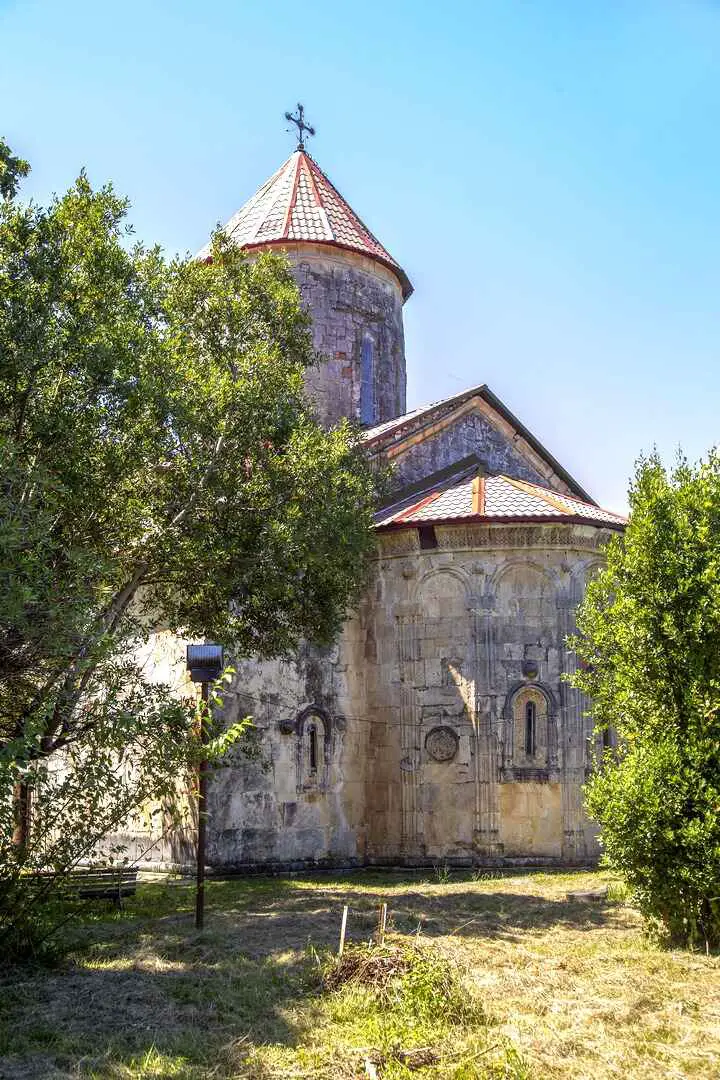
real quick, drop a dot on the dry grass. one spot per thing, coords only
(372, 966)
(520, 983)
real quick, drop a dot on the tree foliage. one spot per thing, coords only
(12, 170)
(649, 637)
(161, 467)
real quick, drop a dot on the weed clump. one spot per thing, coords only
(405, 1009)
(406, 977)
(365, 965)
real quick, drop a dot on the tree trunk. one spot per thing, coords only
(22, 809)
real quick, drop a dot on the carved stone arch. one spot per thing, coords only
(515, 562)
(313, 730)
(530, 713)
(455, 572)
(589, 568)
(309, 711)
(542, 688)
(444, 605)
(523, 588)
(579, 577)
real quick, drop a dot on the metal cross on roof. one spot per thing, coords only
(302, 127)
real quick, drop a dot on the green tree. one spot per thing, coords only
(161, 468)
(649, 640)
(12, 170)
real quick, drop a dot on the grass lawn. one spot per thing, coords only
(496, 977)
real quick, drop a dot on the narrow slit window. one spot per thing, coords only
(313, 750)
(367, 383)
(312, 737)
(530, 725)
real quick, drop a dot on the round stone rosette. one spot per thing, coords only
(442, 744)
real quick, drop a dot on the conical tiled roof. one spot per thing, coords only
(299, 203)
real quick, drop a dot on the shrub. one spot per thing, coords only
(649, 639)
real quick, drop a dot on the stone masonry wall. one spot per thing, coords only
(425, 696)
(271, 805)
(350, 296)
(469, 434)
(279, 808)
(466, 635)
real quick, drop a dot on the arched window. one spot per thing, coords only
(313, 730)
(312, 726)
(367, 382)
(312, 752)
(530, 728)
(530, 741)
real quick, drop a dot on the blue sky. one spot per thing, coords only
(547, 172)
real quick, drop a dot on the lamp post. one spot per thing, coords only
(205, 664)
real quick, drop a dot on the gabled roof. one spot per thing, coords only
(298, 203)
(470, 496)
(384, 437)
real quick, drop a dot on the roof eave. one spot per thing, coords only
(414, 416)
(509, 519)
(406, 286)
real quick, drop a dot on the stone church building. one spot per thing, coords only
(438, 728)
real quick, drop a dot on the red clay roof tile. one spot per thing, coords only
(506, 499)
(299, 202)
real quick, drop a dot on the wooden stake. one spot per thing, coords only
(381, 924)
(343, 928)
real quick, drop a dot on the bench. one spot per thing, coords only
(91, 882)
(590, 894)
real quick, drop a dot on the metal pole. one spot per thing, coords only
(202, 813)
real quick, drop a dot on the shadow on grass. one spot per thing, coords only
(143, 986)
(310, 910)
(259, 916)
(163, 1003)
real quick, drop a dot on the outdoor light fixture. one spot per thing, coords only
(205, 664)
